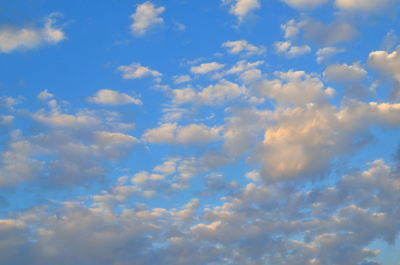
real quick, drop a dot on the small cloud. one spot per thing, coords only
(182, 79)
(45, 95)
(290, 51)
(146, 17)
(242, 46)
(206, 67)
(324, 53)
(136, 70)
(241, 8)
(112, 97)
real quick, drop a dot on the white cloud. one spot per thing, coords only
(146, 17)
(220, 93)
(307, 139)
(12, 39)
(173, 134)
(241, 8)
(344, 73)
(295, 87)
(386, 63)
(242, 46)
(136, 70)
(304, 3)
(113, 97)
(182, 79)
(291, 29)
(324, 53)
(290, 50)
(206, 68)
(217, 94)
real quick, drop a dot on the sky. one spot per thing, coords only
(224, 132)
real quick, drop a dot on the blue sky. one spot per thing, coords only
(200, 132)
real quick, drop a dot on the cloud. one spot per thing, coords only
(289, 50)
(136, 71)
(182, 79)
(146, 17)
(206, 68)
(324, 53)
(304, 3)
(112, 97)
(77, 147)
(45, 95)
(216, 94)
(241, 8)
(320, 33)
(295, 87)
(12, 38)
(328, 34)
(362, 5)
(311, 136)
(246, 227)
(171, 133)
(386, 63)
(344, 73)
(242, 46)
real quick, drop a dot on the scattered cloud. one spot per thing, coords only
(325, 53)
(15, 38)
(242, 8)
(344, 73)
(205, 68)
(113, 97)
(243, 47)
(145, 18)
(136, 71)
(290, 50)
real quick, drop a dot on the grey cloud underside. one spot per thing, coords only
(260, 224)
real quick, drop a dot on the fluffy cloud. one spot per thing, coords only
(136, 70)
(206, 68)
(386, 63)
(112, 97)
(247, 227)
(12, 38)
(290, 50)
(241, 8)
(311, 136)
(295, 87)
(324, 53)
(77, 147)
(146, 17)
(173, 134)
(344, 73)
(216, 94)
(242, 46)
